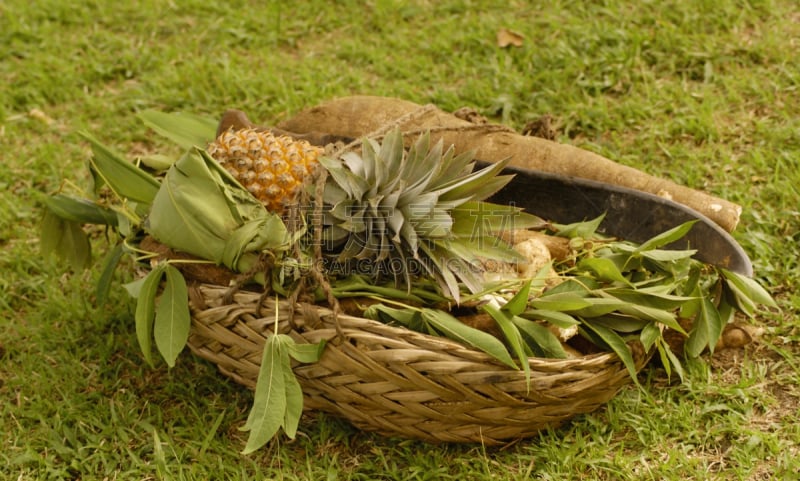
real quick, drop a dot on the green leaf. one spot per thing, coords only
(561, 302)
(666, 318)
(294, 393)
(585, 230)
(65, 239)
(540, 339)
(690, 308)
(190, 213)
(107, 274)
(157, 162)
(512, 335)
(632, 305)
(253, 235)
(726, 312)
(478, 218)
(599, 306)
(613, 341)
(145, 310)
(519, 302)
(270, 400)
(357, 286)
(278, 400)
(481, 247)
(621, 323)
(134, 288)
(555, 318)
(390, 153)
(81, 211)
(125, 179)
(660, 255)
(667, 237)
(353, 185)
(127, 226)
(450, 166)
(706, 329)
(172, 319)
(657, 296)
(306, 353)
(454, 329)
(668, 358)
(603, 268)
(691, 282)
(744, 286)
(410, 318)
(580, 286)
(186, 130)
(417, 169)
(740, 300)
(481, 190)
(649, 335)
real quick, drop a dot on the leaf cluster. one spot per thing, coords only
(196, 207)
(613, 293)
(278, 401)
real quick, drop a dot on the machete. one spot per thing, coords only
(629, 214)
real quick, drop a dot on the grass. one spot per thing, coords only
(705, 93)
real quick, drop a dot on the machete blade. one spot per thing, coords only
(629, 214)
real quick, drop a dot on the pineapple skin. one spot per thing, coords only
(272, 168)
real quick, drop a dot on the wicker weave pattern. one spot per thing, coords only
(398, 382)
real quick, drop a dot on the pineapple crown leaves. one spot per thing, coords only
(422, 206)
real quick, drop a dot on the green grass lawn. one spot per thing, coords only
(705, 93)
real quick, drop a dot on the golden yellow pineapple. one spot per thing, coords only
(271, 167)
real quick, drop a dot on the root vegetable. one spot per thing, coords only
(537, 256)
(558, 246)
(362, 115)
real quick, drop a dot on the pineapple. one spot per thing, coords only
(410, 213)
(272, 168)
(415, 213)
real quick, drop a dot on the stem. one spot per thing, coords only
(276, 314)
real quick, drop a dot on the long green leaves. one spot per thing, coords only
(269, 406)
(745, 293)
(609, 338)
(146, 310)
(616, 293)
(81, 211)
(62, 227)
(186, 130)
(707, 328)
(125, 179)
(172, 321)
(617, 289)
(512, 335)
(65, 239)
(278, 400)
(437, 322)
(110, 264)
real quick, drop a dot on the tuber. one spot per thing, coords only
(354, 117)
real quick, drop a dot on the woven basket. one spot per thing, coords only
(398, 382)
